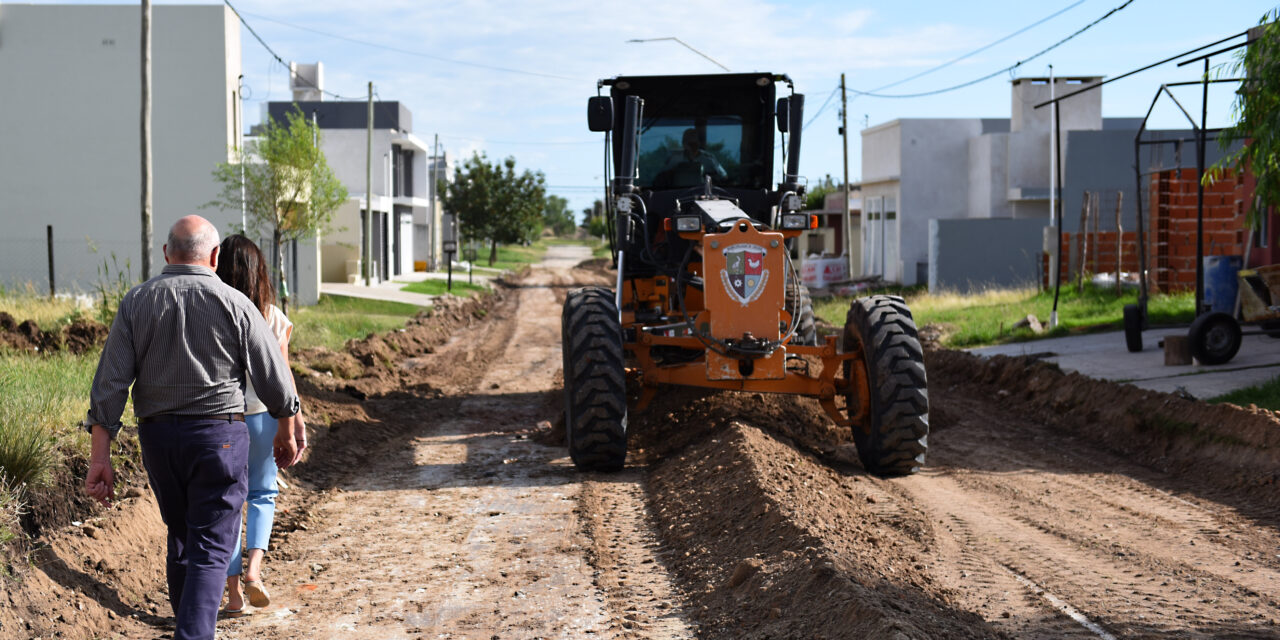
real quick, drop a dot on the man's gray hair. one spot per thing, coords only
(194, 247)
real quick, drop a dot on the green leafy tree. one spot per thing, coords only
(557, 217)
(493, 202)
(1256, 115)
(284, 185)
(816, 196)
(593, 219)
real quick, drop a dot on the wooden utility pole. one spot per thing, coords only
(146, 140)
(844, 144)
(368, 197)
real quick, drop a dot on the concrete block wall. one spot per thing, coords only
(972, 255)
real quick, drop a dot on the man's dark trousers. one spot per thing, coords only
(197, 468)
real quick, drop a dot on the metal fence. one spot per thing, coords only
(79, 265)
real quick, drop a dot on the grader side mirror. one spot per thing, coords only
(600, 113)
(783, 113)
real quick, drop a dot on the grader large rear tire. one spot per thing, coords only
(896, 434)
(595, 384)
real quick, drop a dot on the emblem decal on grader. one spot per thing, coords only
(744, 276)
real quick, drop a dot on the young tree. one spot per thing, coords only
(557, 217)
(491, 201)
(1256, 112)
(285, 186)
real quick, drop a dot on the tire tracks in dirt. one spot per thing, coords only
(1029, 513)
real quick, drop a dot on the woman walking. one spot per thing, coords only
(242, 266)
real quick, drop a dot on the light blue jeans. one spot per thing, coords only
(261, 501)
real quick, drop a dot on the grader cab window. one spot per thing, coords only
(681, 152)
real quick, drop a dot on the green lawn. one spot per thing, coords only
(336, 319)
(514, 257)
(434, 287)
(988, 318)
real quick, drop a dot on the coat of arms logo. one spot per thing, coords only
(744, 274)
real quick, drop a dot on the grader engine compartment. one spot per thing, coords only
(706, 292)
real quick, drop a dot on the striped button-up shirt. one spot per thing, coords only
(186, 341)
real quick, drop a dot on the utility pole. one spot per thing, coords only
(844, 144)
(437, 234)
(146, 140)
(239, 123)
(1054, 268)
(368, 197)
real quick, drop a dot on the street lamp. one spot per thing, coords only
(683, 44)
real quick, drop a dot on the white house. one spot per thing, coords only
(407, 219)
(921, 169)
(70, 129)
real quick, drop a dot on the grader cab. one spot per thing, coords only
(706, 293)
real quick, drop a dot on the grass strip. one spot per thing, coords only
(1265, 395)
(434, 287)
(336, 319)
(989, 317)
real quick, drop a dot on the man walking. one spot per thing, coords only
(186, 342)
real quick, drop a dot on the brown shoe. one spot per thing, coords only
(256, 593)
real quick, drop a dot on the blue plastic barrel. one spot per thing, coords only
(1220, 282)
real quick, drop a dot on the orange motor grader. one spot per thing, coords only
(706, 293)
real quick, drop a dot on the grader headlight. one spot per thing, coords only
(795, 221)
(688, 223)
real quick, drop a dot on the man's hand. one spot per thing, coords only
(299, 436)
(100, 482)
(284, 446)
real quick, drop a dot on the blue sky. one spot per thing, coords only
(447, 72)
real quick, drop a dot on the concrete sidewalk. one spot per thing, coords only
(391, 291)
(1104, 356)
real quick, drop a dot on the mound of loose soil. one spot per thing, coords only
(773, 544)
(1228, 445)
(78, 337)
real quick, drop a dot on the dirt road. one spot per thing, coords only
(467, 528)
(1052, 506)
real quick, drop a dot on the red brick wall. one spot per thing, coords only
(1171, 245)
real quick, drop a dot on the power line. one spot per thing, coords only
(276, 55)
(409, 52)
(984, 47)
(1009, 68)
(822, 108)
(529, 142)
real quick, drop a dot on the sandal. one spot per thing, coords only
(256, 593)
(232, 613)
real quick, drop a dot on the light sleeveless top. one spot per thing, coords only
(282, 328)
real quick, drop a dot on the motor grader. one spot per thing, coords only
(707, 294)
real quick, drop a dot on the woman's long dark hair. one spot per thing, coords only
(241, 265)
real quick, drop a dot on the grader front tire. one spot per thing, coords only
(595, 384)
(895, 436)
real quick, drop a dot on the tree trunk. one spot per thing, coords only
(493, 251)
(282, 285)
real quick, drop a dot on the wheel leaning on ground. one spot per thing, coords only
(1215, 338)
(895, 436)
(595, 385)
